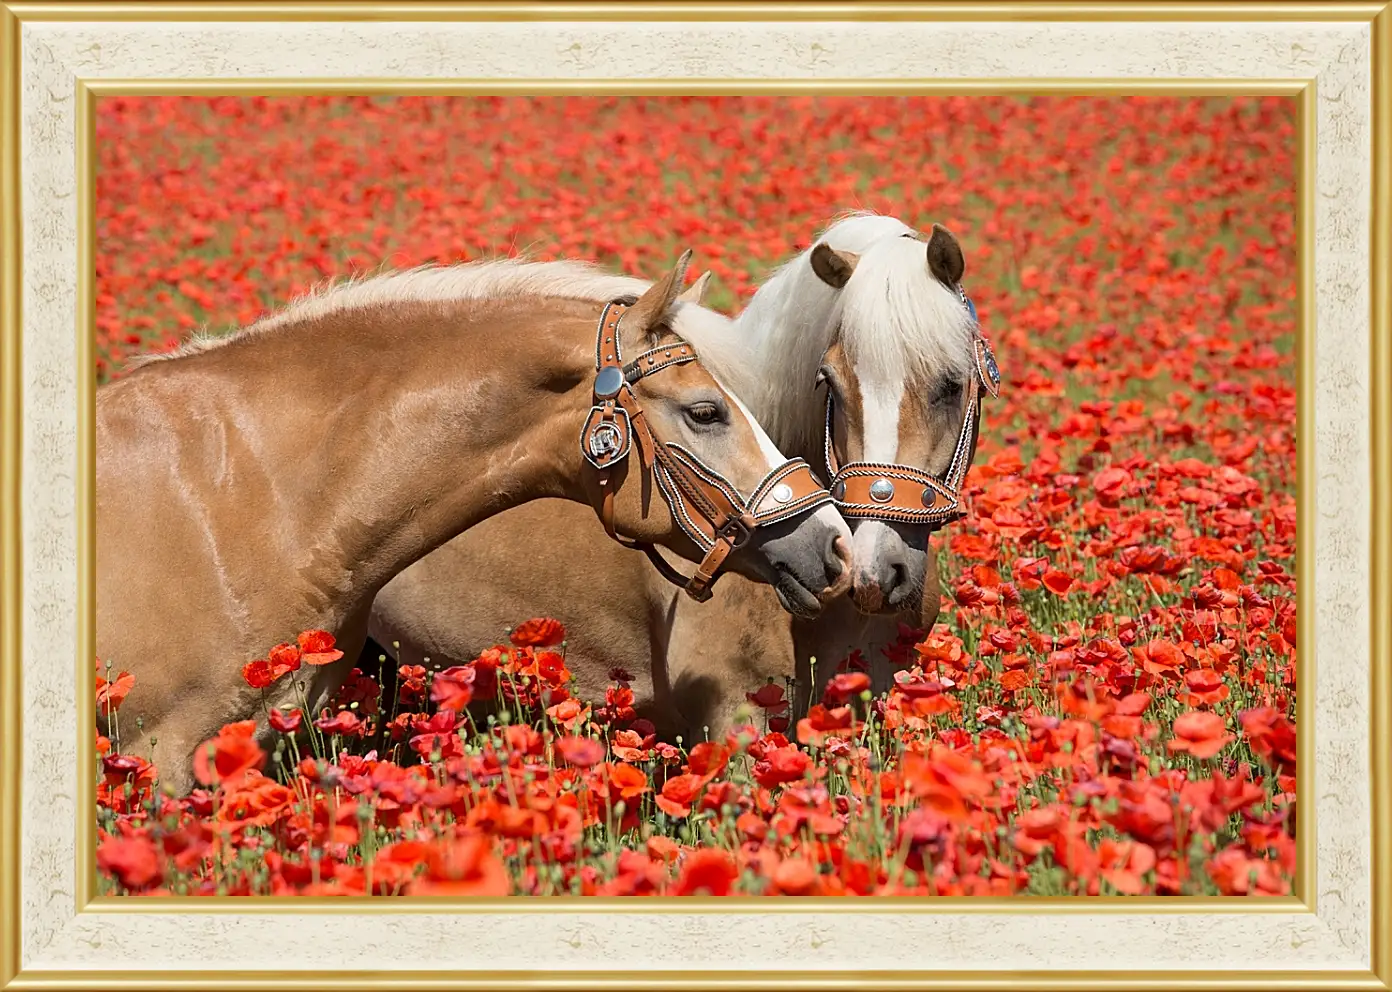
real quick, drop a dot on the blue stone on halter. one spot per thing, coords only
(608, 382)
(782, 493)
(971, 308)
(882, 490)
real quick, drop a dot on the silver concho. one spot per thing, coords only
(605, 441)
(608, 382)
(882, 490)
(782, 493)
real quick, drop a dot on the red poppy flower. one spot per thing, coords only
(945, 781)
(1057, 582)
(110, 695)
(1201, 734)
(541, 632)
(821, 723)
(708, 759)
(846, 686)
(453, 689)
(583, 752)
(663, 849)
(344, 723)
(1110, 483)
(568, 714)
(317, 648)
(256, 801)
(135, 862)
(678, 794)
(257, 674)
(796, 877)
(781, 765)
(1016, 679)
(410, 683)
(228, 756)
(1205, 686)
(284, 658)
(707, 872)
(629, 782)
(467, 866)
(285, 722)
(1161, 657)
(769, 698)
(1272, 736)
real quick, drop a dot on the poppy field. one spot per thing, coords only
(1107, 705)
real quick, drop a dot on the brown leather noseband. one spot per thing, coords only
(905, 494)
(707, 506)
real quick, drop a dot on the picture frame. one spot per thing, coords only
(59, 58)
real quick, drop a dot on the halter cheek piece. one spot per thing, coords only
(905, 494)
(707, 507)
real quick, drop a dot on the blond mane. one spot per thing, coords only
(424, 284)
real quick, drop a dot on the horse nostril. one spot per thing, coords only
(838, 565)
(894, 578)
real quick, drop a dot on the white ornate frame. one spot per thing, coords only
(59, 58)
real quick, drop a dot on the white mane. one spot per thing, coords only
(893, 317)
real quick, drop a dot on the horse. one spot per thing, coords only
(274, 480)
(864, 348)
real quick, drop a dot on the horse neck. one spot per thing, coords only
(412, 425)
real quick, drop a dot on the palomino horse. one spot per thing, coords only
(891, 337)
(273, 481)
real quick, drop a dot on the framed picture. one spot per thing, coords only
(998, 396)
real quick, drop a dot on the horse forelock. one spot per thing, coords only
(897, 321)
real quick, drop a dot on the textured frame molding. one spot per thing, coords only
(59, 57)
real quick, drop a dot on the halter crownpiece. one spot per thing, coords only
(708, 507)
(905, 494)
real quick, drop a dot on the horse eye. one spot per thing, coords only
(949, 391)
(704, 414)
(821, 377)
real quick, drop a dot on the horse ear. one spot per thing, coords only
(833, 267)
(697, 290)
(945, 259)
(646, 316)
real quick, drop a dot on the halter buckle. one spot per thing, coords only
(735, 531)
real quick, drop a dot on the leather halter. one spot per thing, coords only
(707, 506)
(902, 493)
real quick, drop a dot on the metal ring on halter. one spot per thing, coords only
(708, 507)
